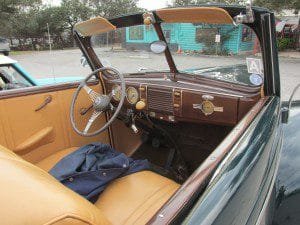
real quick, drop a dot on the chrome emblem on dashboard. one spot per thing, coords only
(207, 97)
(207, 107)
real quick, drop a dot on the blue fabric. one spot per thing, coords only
(89, 169)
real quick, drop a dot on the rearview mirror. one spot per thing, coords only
(158, 47)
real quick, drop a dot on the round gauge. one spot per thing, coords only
(116, 92)
(132, 95)
(207, 107)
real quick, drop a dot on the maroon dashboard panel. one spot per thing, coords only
(173, 101)
(227, 113)
(184, 105)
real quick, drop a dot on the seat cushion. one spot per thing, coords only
(29, 195)
(134, 199)
(48, 162)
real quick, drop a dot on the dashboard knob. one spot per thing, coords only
(140, 105)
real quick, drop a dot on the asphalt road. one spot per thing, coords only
(67, 63)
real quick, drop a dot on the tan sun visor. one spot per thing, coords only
(94, 26)
(212, 15)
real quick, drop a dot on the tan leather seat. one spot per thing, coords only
(134, 199)
(48, 162)
(29, 195)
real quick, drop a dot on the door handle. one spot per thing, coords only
(48, 99)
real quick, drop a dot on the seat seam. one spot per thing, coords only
(148, 197)
(65, 216)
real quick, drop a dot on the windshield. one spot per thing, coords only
(128, 50)
(214, 51)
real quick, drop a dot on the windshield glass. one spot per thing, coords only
(128, 50)
(214, 51)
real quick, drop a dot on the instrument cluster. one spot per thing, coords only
(132, 94)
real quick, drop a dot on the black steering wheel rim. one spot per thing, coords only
(117, 110)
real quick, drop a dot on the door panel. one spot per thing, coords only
(82, 103)
(21, 122)
(37, 134)
(2, 136)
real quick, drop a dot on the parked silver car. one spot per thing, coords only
(4, 46)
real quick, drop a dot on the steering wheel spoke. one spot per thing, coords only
(92, 94)
(101, 103)
(93, 117)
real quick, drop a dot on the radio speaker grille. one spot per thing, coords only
(160, 100)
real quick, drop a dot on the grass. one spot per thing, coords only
(20, 52)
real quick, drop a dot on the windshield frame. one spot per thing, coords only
(262, 27)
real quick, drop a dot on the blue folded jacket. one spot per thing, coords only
(89, 169)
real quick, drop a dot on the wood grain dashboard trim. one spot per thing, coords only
(227, 117)
(211, 89)
(195, 79)
(177, 101)
(143, 94)
(234, 104)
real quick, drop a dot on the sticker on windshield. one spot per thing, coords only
(256, 79)
(254, 66)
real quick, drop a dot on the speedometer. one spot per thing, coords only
(116, 92)
(132, 95)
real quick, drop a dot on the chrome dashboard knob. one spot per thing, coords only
(140, 105)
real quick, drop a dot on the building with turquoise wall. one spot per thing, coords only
(191, 37)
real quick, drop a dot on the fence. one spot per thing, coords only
(41, 43)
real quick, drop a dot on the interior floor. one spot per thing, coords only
(182, 146)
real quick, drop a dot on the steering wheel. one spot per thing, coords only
(101, 103)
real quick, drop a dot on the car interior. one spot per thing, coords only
(176, 122)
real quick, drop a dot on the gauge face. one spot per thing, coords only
(116, 90)
(207, 107)
(132, 95)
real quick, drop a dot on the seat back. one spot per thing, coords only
(29, 195)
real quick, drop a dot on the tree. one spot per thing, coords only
(198, 2)
(279, 5)
(29, 19)
(183, 2)
(275, 5)
(75, 11)
(10, 9)
(20, 28)
(54, 16)
(113, 8)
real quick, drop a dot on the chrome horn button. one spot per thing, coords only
(101, 103)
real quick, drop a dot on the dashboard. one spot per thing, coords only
(182, 100)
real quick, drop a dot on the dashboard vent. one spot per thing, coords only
(160, 100)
